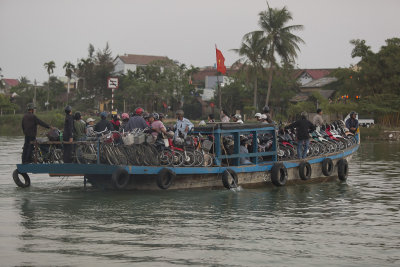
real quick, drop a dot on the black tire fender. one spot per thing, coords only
(343, 169)
(305, 170)
(229, 179)
(17, 180)
(279, 174)
(165, 178)
(327, 167)
(120, 178)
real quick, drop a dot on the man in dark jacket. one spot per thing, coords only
(103, 123)
(303, 129)
(68, 134)
(137, 121)
(29, 127)
(352, 122)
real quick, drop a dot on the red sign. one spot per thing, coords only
(212, 105)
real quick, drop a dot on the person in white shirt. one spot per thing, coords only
(224, 116)
(182, 125)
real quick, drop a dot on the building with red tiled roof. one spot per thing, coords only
(131, 62)
(7, 84)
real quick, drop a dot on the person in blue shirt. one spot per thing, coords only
(182, 125)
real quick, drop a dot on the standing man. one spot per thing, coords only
(137, 121)
(68, 134)
(303, 128)
(79, 132)
(182, 125)
(29, 127)
(266, 112)
(318, 120)
(352, 122)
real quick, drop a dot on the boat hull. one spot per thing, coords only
(245, 179)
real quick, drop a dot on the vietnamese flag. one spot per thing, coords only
(220, 61)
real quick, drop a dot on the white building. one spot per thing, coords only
(132, 62)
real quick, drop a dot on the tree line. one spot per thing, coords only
(264, 76)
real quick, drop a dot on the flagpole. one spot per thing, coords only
(219, 87)
(219, 93)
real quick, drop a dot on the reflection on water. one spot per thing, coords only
(353, 223)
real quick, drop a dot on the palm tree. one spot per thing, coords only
(253, 52)
(279, 39)
(84, 68)
(24, 80)
(49, 66)
(69, 69)
(1, 79)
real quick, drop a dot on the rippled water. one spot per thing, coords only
(56, 222)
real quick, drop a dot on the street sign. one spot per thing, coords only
(112, 83)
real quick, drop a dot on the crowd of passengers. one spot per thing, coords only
(76, 129)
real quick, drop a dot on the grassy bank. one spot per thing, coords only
(379, 133)
(10, 125)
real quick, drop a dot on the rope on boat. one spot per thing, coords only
(59, 183)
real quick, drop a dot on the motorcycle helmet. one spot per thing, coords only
(125, 116)
(139, 111)
(68, 109)
(30, 106)
(266, 109)
(238, 116)
(103, 115)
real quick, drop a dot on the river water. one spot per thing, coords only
(56, 222)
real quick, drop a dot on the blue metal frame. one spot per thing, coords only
(218, 133)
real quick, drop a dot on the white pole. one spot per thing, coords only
(112, 100)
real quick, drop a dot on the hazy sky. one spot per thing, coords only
(33, 32)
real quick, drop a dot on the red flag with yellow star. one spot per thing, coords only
(220, 62)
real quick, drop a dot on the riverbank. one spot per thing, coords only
(379, 133)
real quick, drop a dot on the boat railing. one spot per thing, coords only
(218, 131)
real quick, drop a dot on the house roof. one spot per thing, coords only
(140, 59)
(304, 96)
(314, 73)
(320, 82)
(11, 82)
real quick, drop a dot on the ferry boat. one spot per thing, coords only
(264, 169)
